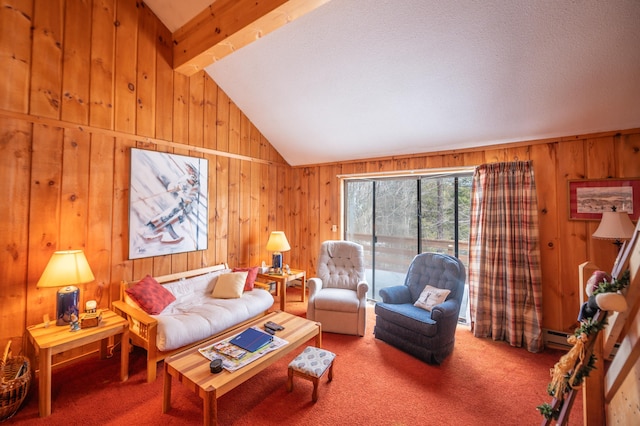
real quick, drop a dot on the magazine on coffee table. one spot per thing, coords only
(234, 357)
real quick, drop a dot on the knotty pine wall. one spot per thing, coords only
(83, 82)
(565, 244)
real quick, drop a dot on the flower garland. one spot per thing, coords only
(569, 372)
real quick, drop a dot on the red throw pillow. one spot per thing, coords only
(251, 276)
(150, 295)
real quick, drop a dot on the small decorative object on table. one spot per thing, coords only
(90, 319)
(74, 324)
(15, 378)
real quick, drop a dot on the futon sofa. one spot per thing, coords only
(189, 308)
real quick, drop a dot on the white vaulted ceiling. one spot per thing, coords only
(358, 79)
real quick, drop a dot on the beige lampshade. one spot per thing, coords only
(66, 268)
(614, 226)
(278, 242)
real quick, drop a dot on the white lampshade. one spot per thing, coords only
(66, 268)
(278, 242)
(614, 226)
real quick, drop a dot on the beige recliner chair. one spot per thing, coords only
(338, 296)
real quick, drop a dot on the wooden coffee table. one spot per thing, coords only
(192, 369)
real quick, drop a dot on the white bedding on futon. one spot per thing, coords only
(196, 315)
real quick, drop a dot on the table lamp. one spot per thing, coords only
(615, 226)
(65, 269)
(277, 243)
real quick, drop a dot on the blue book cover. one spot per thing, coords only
(251, 339)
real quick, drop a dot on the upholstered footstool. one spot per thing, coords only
(311, 365)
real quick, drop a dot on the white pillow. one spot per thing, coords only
(430, 297)
(230, 286)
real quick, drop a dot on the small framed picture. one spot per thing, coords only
(589, 198)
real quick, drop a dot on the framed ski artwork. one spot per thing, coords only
(168, 204)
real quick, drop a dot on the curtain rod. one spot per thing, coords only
(407, 173)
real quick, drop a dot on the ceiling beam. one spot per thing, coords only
(228, 25)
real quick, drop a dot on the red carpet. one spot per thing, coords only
(481, 383)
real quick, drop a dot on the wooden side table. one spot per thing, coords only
(281, 282)
(55, 339)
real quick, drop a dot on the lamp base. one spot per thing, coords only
(276, 262)
(68, 299)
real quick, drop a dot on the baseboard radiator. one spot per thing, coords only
(558, 340)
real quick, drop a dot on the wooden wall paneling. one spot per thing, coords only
(454, 159)
(146, 72)
(15, 162)
(164, 84)
(180, 109)
(255, 210)
(305, 219)
(209, 113)
(572, 239)
(435, 161)
(46, 59)
(44, 217)
(267, 199)
(496, 155)
(15, 54)
(402, 163)
(233, 241)
(196, 109)
(417, 163)
(101, 88)
(221, 213)
(235, 127)
(255, 242)
(245, 188)
(473, 159)
(545, 159)
(223, 112)
(125, 66)
(100, 208)
(329, 208)
(76, 60)
(74, 197)
(518, 153)
(222, 177)
(255, 142)
(244, 212)
(245, 135)
(294, 223)
(233, 253)
(312, 238)
(121, 267)
(628, 155)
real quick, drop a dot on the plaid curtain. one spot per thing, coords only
(505, 290)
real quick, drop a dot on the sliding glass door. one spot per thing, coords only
(397, 218)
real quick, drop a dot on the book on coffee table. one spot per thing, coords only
(252, 339)
(231, 363)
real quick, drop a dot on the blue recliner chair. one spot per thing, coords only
(427, 335)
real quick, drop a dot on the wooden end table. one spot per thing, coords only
(281, 284)
(191, 368)
(55, 339)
